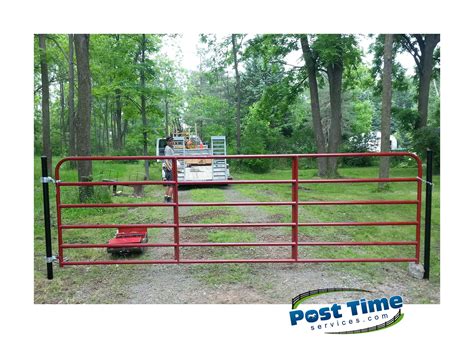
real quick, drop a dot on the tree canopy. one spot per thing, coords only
(267, 93)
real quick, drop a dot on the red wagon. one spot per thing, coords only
(125, 240)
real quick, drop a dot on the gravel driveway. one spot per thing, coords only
(265, 283)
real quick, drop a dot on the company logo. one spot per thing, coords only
(356, 316)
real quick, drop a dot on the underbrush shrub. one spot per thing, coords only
(428, 138)
(256, 137)
(258, 165)
(358, 144)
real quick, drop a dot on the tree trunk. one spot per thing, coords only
(118, 120)
(167, 128)
(335, 132)
(61, 114)
(113, 128)
(386, 108)
(72, 115)
(124, 132)
(143, 107)
(95, 143)
(228, 95)
(315, 108)
(45, 122)
(427, 47)
(106, 125)
(100, 133)
(81, 42)
(237, 89)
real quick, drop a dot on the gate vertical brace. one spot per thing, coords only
(419, 196)
(59, 218)
(294, 207)
(429, 187)
(47, 216)
(176, 209)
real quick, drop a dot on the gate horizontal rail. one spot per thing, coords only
(231, 204)
(295, 202)
(158, 245)
(255, 260)
(226, 182)
(232, 225)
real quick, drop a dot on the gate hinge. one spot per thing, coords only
(51, 259)
(49, 179)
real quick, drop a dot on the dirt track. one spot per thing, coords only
(237, 283)
(268, 283)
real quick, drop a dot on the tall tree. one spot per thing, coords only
(167, 113)
(338, 53)
(167, 81)
(311, 68)
(422, 47)
(62, 113)
(84, 104)
(119, 63)
(143, 104)
(386, 107)
(235, 50)
(71, 106)
(335, 69)
(57, 64)
(106, 124)
(45, 102)
(119, 131)
(335, 55)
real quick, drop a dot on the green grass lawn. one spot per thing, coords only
(101, 170)
(274, 192)
(352, 213)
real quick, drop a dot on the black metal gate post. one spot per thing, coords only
(47, 217)
(429, 187)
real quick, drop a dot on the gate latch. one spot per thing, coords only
(425, 181)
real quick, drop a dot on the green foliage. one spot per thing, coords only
(134, 144)
(257, 133)
(210, 112)
(405, 118)
(275, 107)
(259, 76)
(116, 67)
(272, 47)
(364, 112)
(341, 49)
(428, 138)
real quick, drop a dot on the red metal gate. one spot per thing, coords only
(177, 244)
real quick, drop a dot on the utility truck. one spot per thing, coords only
(204, 169)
